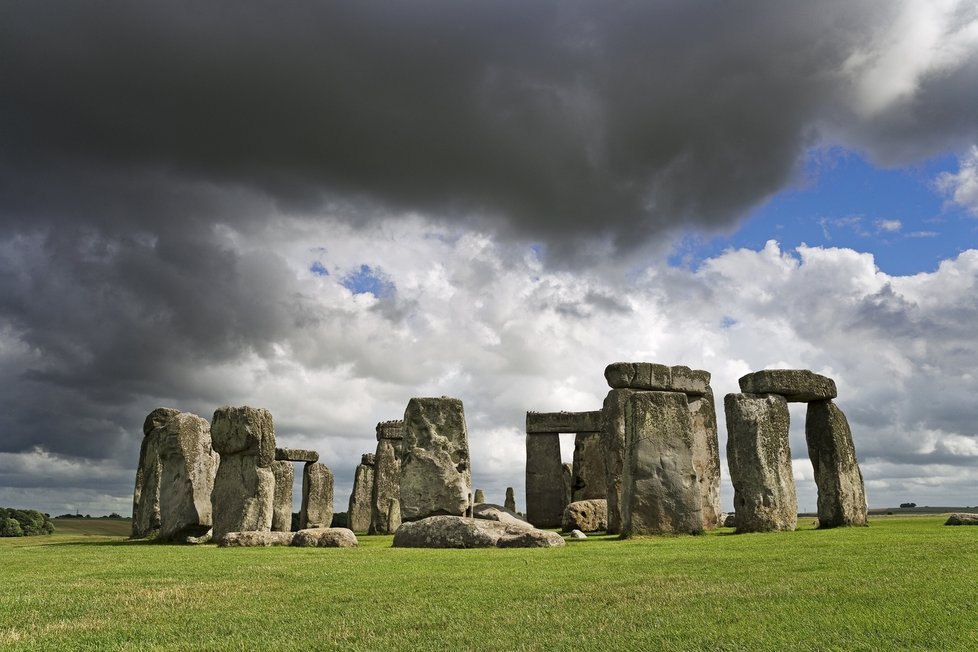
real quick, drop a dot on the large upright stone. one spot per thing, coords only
(706, 457)
(841, 493)
(363, 487)
(436, 478)
(317, 496)
(544, 480)
(146, 494)
(660, 493)
(510, 502)
(795, 385)
(759, 460)
(188, 465)
(614, 442)
(590, 479)
(387, 478)
(244, 489)
(284, 473)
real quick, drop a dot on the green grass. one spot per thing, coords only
(903, 583)
(121, 527)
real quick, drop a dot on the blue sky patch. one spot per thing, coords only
(367, 280)
(318, 269)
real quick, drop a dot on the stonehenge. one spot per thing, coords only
(317, 496)
(358, 512)
(386, 492)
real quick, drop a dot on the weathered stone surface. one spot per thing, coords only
(577, 534)
(244, 431)
(244, 496)
(146, 494)
(962, 519)
(295, 455)
(567, 476)
(284, 473)
(657, 377)
(491, 512)
(480, 496)
(317, 496)
(589, 475)
(387, 486)
(706, 456)
(510, 502)
(560, 422)
(325, 537)
(760, 462)
(614, 441)
(158, 418)
(368, 459)
(390, 430)
(730, 520)
(461, 532)
(188, 465)
(795, 385)
(660, 494)
(358, 513)
(841, 493)
(252, 539)
(436, 477)
(544, 480)
(586, 515)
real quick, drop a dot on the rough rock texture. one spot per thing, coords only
(284, 473)
(560, 422)
(146, 494)
(295, 455)
(962, 519)
(368, 459)
(577, 534)
(614, 441)
(244, 489)
(510, 502)
(436, 478)
(254, 539)
(795, 385)
(657, 377)
(390, 430)
(544, 480)
(491, 512)
(730, 520)
(387, 486)
(590, 477)
(461, 532)
(358, 512)
(325, 537)
(567, 476)
(586, 515)
(317, 496)
(706, 456)
(480, 496)
(841, 493)
(760, 462)
(188, 465)
(660, 493)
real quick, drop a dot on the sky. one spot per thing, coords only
(325, 209)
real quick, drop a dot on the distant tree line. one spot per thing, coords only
(24, 522)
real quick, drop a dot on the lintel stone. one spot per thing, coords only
(390, 430)
(295, 455)
(563, 422)
(795, 385)
(657, 377)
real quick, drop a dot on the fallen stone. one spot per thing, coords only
(317, 496)
(284, 473)
(544, 480)
(962, 519)
(197, 540)
(510, 502)
(795, 385)
(760, 462)
(254, 539)
(325, 537)
(491, 512)
(577, 534)
(358, 512)
(586, 515)
(461, 532)
(841, 492)
(436, 478)
(295, 455)
(589, 475)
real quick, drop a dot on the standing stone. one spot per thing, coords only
(317, 496)
(706, 456)
(841, 493)
(614, 442)
(510, 502)
(480, 496)
(146, 494)
(188, 465)
(590, 479)
(567, 485)
(544, 480)
(284, 474)
(759, 460)
(244, 489)
(363, 487)
(660, 494)
(387, 477)
(436, 478)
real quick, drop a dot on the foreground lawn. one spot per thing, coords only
(903, 583)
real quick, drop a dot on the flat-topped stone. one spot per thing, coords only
(325, 537)
(795, 385)
(563, 422)
(461, 532)
(295, 455)
(657, 377)
(390, 430)
(252, 539)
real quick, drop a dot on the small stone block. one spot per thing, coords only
(295, 455)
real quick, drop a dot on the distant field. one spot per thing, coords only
(902, 583)
(118, 527)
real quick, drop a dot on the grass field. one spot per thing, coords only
(903, 583)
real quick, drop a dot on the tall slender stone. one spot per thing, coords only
(436, 477)
(614, 443)
(510, 502)
(363, 487)
(387, 477)
(480, 497)
(590, 479)
(244, 489)
(317, 496)
(146, 494)
(706, 456)
(841, 493)
(284, 473)
(544, 480)
(567, 485)
(660, 493)
(759, 460)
